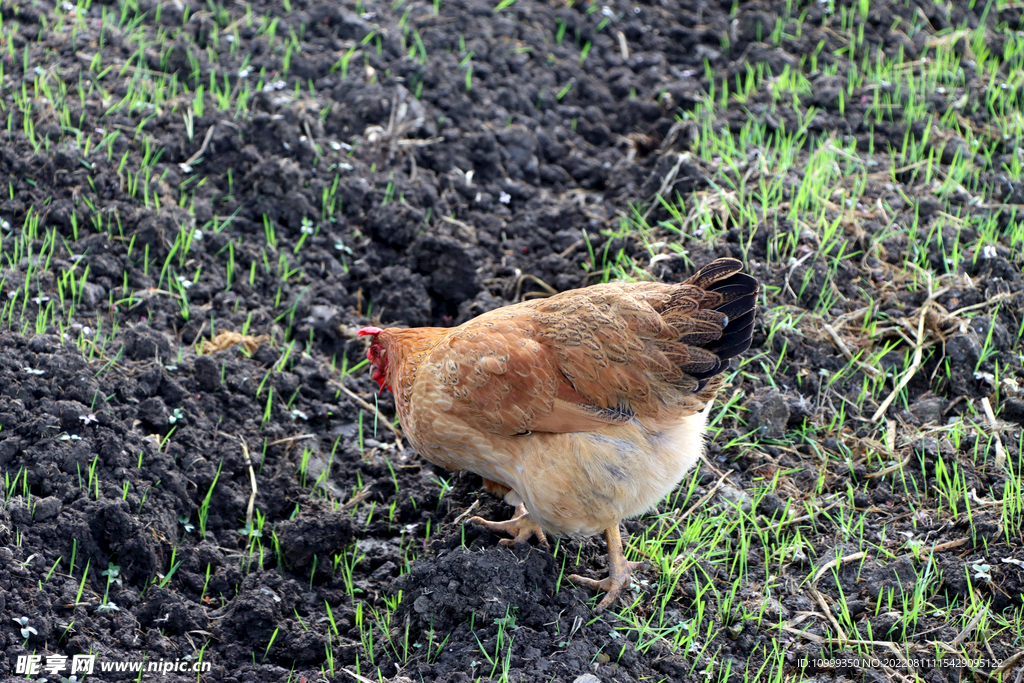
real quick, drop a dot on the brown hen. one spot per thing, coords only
(581, 409)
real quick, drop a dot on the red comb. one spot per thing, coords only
(368, 331)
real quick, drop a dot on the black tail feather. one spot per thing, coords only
(737, 308)
(739, 301)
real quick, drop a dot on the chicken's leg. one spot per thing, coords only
(521, 526)
(619, 571)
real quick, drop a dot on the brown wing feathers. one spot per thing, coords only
(595, 356)
(629, 344)
(616, 342)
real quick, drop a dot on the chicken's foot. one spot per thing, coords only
(522, 526)
(619, 571)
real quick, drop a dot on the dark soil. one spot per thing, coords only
(411, 190)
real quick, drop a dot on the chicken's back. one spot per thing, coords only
(652, 348)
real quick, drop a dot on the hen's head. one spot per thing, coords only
(377, 354)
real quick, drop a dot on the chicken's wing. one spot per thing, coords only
(584, 359)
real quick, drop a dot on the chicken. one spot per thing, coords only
(581, 409)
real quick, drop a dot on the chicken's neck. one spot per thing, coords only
(406, 351)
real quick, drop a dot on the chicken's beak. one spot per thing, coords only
(377, 373)
(378, 376)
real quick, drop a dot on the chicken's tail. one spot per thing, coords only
(713, 311)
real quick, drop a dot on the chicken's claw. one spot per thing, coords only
(522, 526)
(619, 572)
